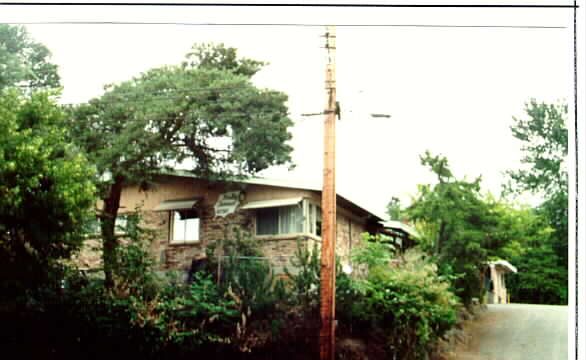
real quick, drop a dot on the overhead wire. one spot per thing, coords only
(159, 98)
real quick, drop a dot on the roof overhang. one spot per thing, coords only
(504, 265)
(313, 186)
(403, 227)
(169, 205)
(272, 203)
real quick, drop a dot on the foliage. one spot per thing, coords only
(462, 224)
(306, 278)
(544, 136)
(394, 209)
(24, 62)
(142, 311)
(245, 273)
(196, 314)
(245, 276)
(540, 279)
(372, 251)
(134, 270)
(206, 111)
(411, 303)
(46, 191)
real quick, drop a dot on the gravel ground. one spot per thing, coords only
(518, 332)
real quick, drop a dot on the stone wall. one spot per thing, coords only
(348, 235)
(279, 249)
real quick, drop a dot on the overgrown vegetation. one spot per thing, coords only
(46, 193)
(234, 305)
(142, 126)
(544, 137)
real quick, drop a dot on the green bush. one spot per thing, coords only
(411, 303)
(305, 281)
(245, 274)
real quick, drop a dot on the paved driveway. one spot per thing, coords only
(519, 332)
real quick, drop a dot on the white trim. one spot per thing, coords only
(272, 203)
(168, 205)
(172, 240)
(505, 264)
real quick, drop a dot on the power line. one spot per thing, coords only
(281, 5)
(193, 90)
(229, 115)
(281, 24)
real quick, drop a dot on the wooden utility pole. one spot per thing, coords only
(328, 205)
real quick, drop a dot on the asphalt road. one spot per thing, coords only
(518, 332)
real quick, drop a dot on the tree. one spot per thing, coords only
(24, 62)
(539, 278)
(545, 142)
(46, 191)
(205, 110)
(394, 209)
(461, 223)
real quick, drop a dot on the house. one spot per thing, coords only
(189, 213)
(495, 279)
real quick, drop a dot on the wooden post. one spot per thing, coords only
(328, 204)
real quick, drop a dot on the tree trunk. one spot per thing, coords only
(107, 223)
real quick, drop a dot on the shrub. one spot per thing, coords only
(410, 303)
(305, 281)
(245, 276)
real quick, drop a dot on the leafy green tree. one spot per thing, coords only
(539, 278)
(205, 110)
(461, 225)
(545, 142)
(394, 209)
(24, 62)
(46, 191)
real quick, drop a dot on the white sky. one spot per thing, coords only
(452, 91)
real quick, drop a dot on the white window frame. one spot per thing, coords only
(173, 214)
(308, 217)
(312, 217)
(280, 231)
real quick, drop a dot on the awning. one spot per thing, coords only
(505, 264)
(176, 205)
(403, 227)
(272, 203)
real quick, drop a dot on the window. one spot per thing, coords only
(185, 226)
(314, 218)
(93, 226)
(279, 220)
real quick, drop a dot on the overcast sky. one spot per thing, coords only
(452, 91)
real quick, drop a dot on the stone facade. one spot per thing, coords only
(279, 249)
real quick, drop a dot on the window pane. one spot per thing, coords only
(290, 220)
(298, 215)
(318, 222)
(191, 229)
(185, 225)
(267, 221)
(311, 219)
(178, 227)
